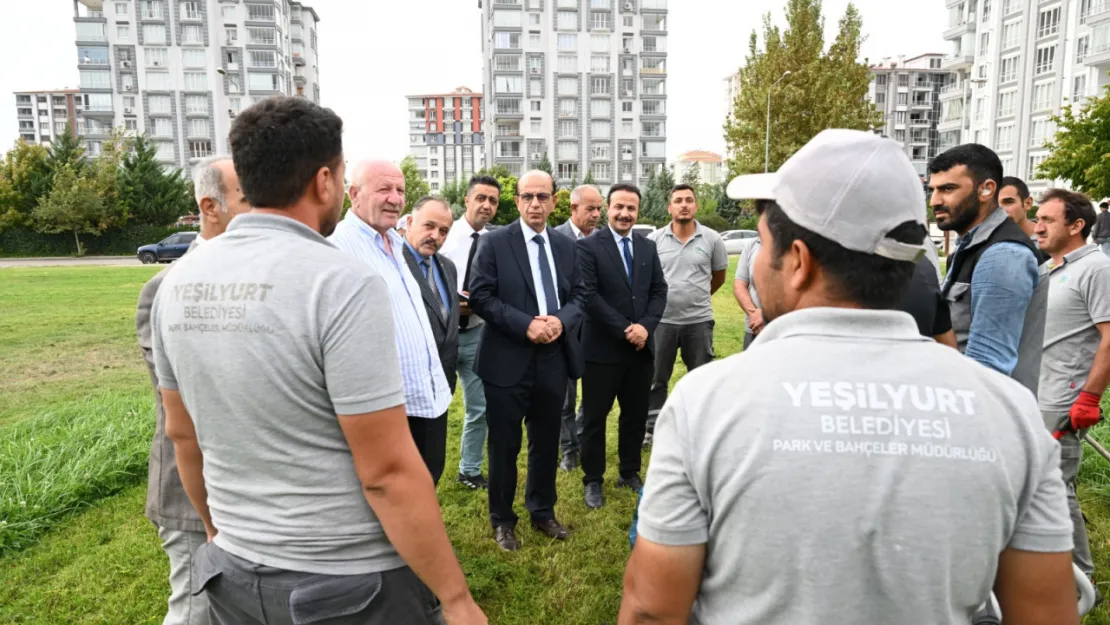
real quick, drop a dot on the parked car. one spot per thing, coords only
(736, 241)
(168, 249)
(644, 229)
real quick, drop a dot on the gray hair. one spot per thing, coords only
(576, 195)
(208, 181)
(418, 204)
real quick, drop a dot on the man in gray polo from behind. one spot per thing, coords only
(694, 263)
(219, 199)
(282, 389)
(846, 469)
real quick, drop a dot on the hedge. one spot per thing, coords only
(24, 242)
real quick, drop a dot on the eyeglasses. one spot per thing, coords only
(528, 197)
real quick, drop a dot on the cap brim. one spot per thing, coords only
(753, 187)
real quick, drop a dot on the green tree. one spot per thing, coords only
(729, 209)
(545, 165)
(506, 208)
(1081, 147)
(692, 176)
(589, 179)
(24, 178)
(824, 90)
(562, 208)
(455, 192)
(66, 150)
(657, 193)
(105, 169)
(148, 193)
(416, 186)
(74, 205)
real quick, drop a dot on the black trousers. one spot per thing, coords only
(537, 401)
(628, 383)
(430, 436)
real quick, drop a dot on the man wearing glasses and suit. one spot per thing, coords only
(525, 283)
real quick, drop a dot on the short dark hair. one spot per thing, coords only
(623, 186)
(484, 180)
(279, 144)
(867, 280)
(1076, 206)
(682, 187)
(980, 160)
(1017, 183)
(1104, 205)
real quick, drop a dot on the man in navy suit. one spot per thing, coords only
(625, 298)
(525, 284)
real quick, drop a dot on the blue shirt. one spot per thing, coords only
(426, 392)
(423, 262)
(534, 261)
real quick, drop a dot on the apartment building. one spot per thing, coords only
(1017, 63)
(907, 92)
(710, 166)
(583, 81)
(42, 115)
(445, 135)
(180, 70)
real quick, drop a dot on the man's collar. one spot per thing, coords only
(529, 232)
(469, 227)
(274, 222)
(1076, 254)
(669, 228)
(618, 236)
(415, 252)
(852, 323)
(200, 239)
(392, 234)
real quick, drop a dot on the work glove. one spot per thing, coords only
(1085, 412)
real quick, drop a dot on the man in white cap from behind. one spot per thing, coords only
(844, 468)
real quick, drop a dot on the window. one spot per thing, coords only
(263, 58)
(199, 127)
(1007, 100)
(1009, 69)
(568, 107)
(509, 41)
(601, 21)
(626, 127)
(507, 106)
(196, 81)
(603, 5)
(654, 107)
(263, 82)
(234, 83)
(232, 34)
(504, 62)
(568, 129)
(568, 63)
(626, 107)
(567, 151)
(227, 12)
(1004, 138)
(166, 151)
(880, 98)
(655, 43)
(984, 43)
(980, 108)
(535, 40)
(599, 108)
(986, 11)
(654, 65)
(900, 136)
(163, 127)
(190, 10)
(193, 58)
(234, 105)
(152, 9)
(628, 21)
(123, 32)
(652, 149)
(534, 19)
(260, 12)
(536, 126)
(599, 63)
(601, 151)
(566, 20)
(568, 86)
(1009, 6)
(91, 31)
(535, 87)
(508, 84)
(881, 80)
(154, 34)
(257, 35)
(510, 19)
(131, 125)
(903, 80)
(1079, 90)
(156, 57)
(1081, 47)
(121, 8)
(191, 35)
(1035, 164)
(601, 130)
(1048, 22)
(568, 171)
(602, 171)
(653, 129)
(59, 127)
(196, 105)
(1043, 131)
(654, 21)
(653, 86)
(95, 148)
(599, 85)
(567, 42)
(1042, 96)
(159, 104)
(200, 149)
(599, 43)
(127, 81)
(1046, 60)
(1010, 34)
(95, 78)
(536, 106)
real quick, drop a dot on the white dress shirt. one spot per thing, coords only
(620, 248)
(457, 248)
(573, 228)
(534, 261)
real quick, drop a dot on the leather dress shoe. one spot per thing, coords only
(570, 462)
(594, 500)
(506, 538)
(551, 529)
(632, 482)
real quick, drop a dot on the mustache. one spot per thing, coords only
(431, 242)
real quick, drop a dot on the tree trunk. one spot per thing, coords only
(79, 252)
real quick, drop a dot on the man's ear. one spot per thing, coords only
(209, 210)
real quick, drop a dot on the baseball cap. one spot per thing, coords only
(849, 186)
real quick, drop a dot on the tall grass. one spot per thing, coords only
(59, 462)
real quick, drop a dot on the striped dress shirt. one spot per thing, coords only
(426, 392)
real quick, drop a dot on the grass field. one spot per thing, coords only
(69, 364)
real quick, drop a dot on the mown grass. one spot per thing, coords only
(105, 566)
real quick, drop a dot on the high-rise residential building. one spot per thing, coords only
(583, 81)
(710, 166)
(180, 70)
(445, 135)
(42, 115)
(732, 91)
(907, 93)
(1017, 63)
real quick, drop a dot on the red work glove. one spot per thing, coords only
(1085, 412)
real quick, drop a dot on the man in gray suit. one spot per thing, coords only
(429, 224)
(585, 211)
(179, 526)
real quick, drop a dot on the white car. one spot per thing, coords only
(736, 241)
(644, 229)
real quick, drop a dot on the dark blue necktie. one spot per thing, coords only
(627, 258)
(545, 277)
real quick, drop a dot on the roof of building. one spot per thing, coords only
(305, 7)
(459, 91)
(34, 91)
(900, 62)
(701, 156)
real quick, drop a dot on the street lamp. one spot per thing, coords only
(767, 148)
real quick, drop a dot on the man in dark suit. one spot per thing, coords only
(429, 224)
(626, 295)
(526, 285)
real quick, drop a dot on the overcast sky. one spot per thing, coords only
(375, 52)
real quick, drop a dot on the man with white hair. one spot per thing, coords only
(369, 233)
(219, 199)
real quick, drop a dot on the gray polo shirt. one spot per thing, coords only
(745, 271)
(268, 332)
(1078, 299)
(688, 268)
(861, 474)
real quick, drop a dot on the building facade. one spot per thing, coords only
(180, 70)
(1017, 63)
(445, 135)
(907, 93)
(582, 81)
(42, 115)
(711, 168)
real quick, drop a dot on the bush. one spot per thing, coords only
(714, 221)
(24, 242)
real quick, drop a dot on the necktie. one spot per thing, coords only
(627, 258)
(546, 277)
(464, 321)
(431, 277)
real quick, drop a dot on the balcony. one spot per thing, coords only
(298, 59)
(1098, 56)
(961, 29)
(950, 125)
(954, 91)
(87, 61)
(1098, 12)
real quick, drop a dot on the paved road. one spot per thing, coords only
(64, 261)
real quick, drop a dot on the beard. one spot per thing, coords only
(961, 216)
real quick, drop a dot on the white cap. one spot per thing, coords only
(848, 186)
